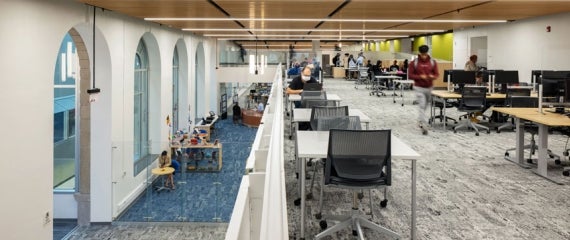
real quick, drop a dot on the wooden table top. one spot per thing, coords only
(162, 171)
(531, 114)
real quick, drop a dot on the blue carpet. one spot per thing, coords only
(62, 227)
(200, 196)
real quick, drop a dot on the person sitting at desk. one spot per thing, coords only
(166, 161)
(297, 84)
(471, 65)
(395, 67)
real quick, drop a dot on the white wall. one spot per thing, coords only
(521, 45)
(32, 32)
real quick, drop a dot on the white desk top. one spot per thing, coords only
(404, 81)
(297, 97)
(387, 77)
(304, 115)
(314, 144)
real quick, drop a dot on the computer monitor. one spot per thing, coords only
(463, 77)
(553, 88)
(312, 87)
(506, 77)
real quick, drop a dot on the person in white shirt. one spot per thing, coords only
(260, 107)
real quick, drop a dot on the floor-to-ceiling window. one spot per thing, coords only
(175, 90)
(140, 121)
(64, 127)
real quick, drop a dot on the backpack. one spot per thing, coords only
(431, 63)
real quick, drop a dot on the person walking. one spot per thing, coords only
(423, 70)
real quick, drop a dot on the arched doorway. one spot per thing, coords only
(199, 91)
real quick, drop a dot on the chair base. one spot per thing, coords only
(468, 123)
(357, 222)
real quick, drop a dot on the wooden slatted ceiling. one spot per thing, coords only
(320, 9)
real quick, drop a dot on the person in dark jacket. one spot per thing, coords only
(423, 70)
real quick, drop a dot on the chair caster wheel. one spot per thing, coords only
(323, 224)
(402, 104)
(309, 163)
(498, 131)
(384, 203)
(529, 160)
(476, 134)
(488, 131)
(557, 162)
(360, 196)
(454, 131)
(318, 216)
(506, 154)
(394, 101)
(354, 233)
(309, 196)
(290, 137)
(566, 173)
(297, 202)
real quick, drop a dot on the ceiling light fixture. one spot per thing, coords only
(302, 35)
(331, 20)
(307, 30)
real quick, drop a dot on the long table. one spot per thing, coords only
(291, 98)
(314, 144)
(442, 96)
(543, 120)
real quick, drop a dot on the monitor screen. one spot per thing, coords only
(553, 88)
(506, 77)
(463, 77)
(312, 87)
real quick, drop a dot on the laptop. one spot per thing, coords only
(312, 87)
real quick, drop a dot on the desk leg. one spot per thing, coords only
(413, 227)
(444, 115)
(402, 93)
(519, 150)
(542, 165)
(367, 125)
(302, 186)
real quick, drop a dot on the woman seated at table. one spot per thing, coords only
(166, 161)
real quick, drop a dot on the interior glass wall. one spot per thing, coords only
(140, 121)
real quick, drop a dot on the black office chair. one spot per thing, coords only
(473, 100)
(326, 112)
(312, 95)
(310, 103)
(326, 124)
(357, 160)
(515, 92)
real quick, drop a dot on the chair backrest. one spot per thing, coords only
(359, 157)
(313, 95)
(327, 112)
(344, 122)
(310, 103)
(473, 96)
(516, 92)
(524, 102)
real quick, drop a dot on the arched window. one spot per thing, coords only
(175, 90)
(140, 121)
(64, 128)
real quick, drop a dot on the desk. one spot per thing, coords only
(442, 96)
(543, 120)
(208, 127)
(208, 147)
(338, 72)
(314, 144)
(160, 172)
(401, 82)
(304, 115)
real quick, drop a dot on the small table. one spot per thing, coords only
(208, 146)
(161, 172)
(401, 82)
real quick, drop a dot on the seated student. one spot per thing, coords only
(297, 84)
(395, 67)
(294, 70)
(236, 113)
(166, 161)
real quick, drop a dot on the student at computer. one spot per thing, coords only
(297, 84)
(471, 65)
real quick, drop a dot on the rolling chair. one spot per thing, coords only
(326, 124)
(441, 105)
(362, 77)
(522, 102)
(357, 160)
(529, 102)
(473, 99)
